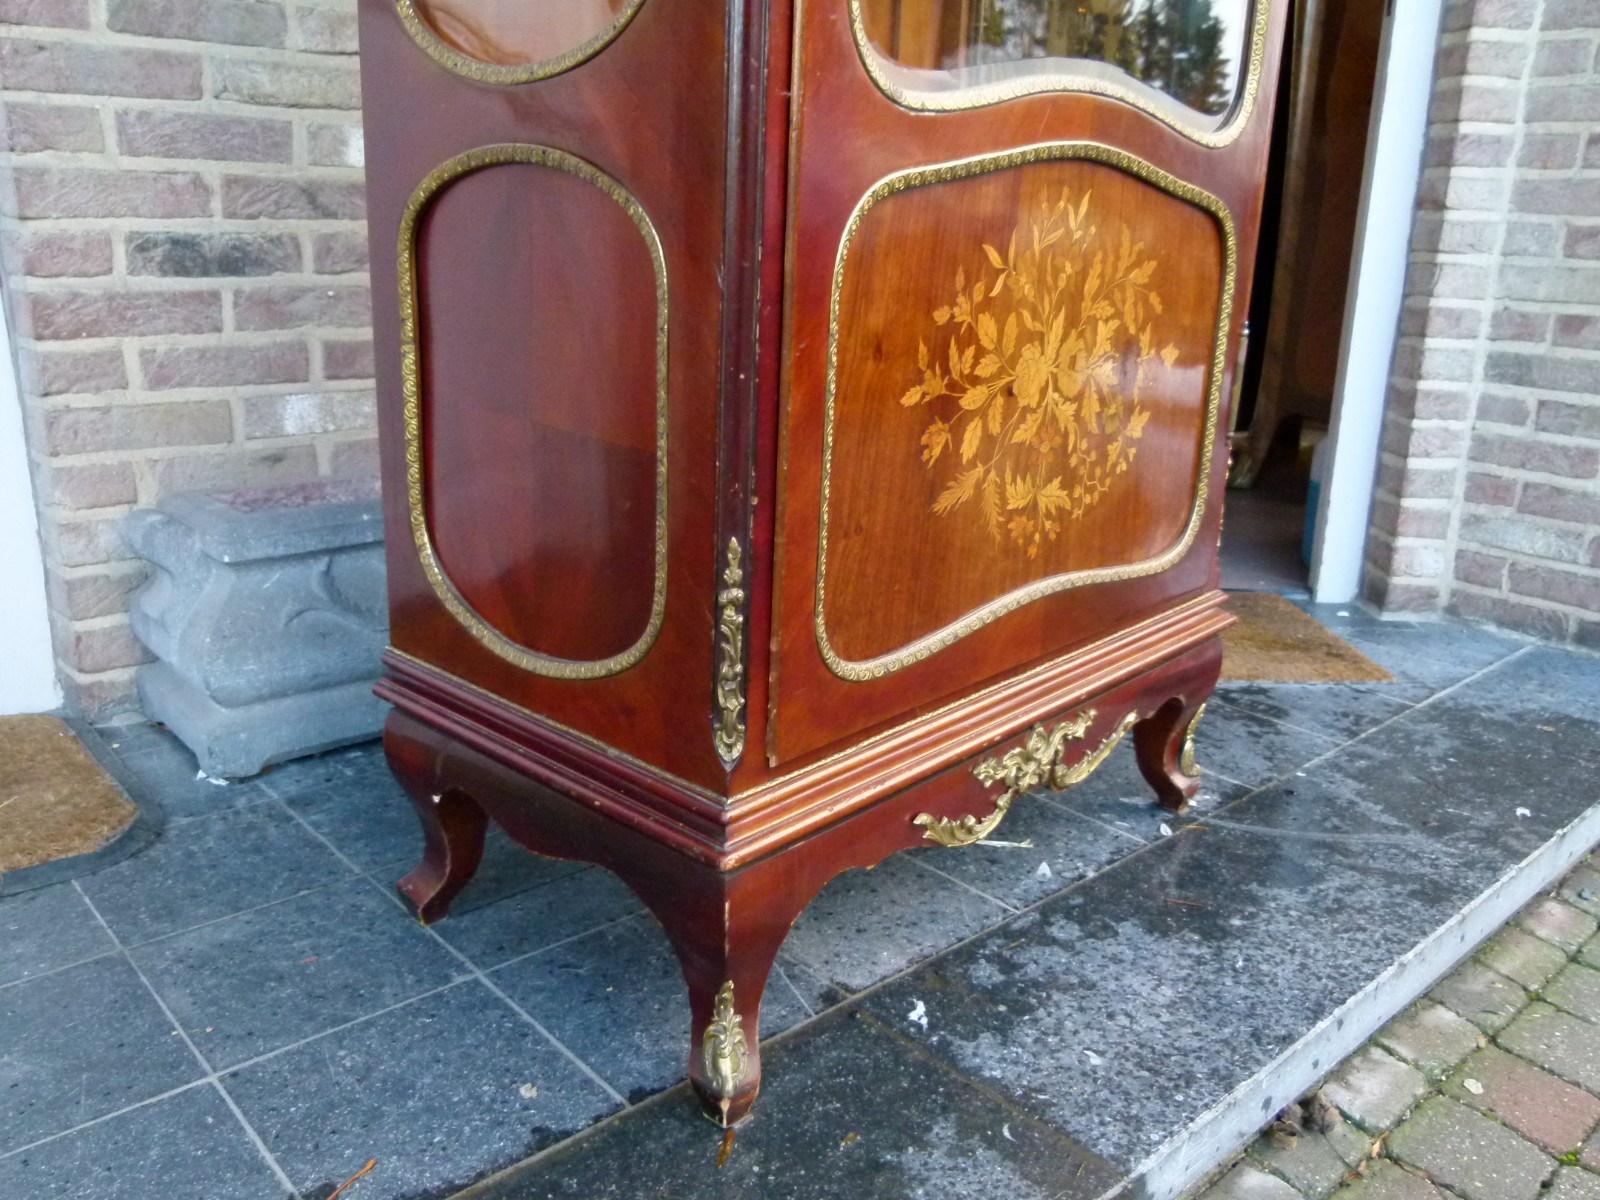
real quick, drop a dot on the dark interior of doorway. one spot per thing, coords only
(1284, 401)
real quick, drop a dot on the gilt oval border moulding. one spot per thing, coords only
(1170, 112)
(479, 71)
(454, 602)
(925, 647)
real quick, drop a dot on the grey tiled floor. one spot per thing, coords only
(246, 1010)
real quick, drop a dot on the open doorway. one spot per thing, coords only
(27, 664)
(1310, 228)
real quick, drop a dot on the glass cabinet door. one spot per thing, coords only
(1190, 51)
(536, 37)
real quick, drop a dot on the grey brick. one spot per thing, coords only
(1557, 285)
(323, 84)
(84, 430)
(1312, 1165)
(1245, 1182)
(1571, 1183)
(1524, 618)
(71, 192)
(87, 69)
(59, 14)
(1573, 420)
(34, 127)
(1384, 1180)
(1374, 1089)
(302, 413)
(251, 197)
(1521, 536)
(1590, 954)
(1549, 1112)
(324, 31)
(160, 133)
(1557, 923)
(1545, 371)
(204, 255)
(1589, 1153)
(335, 145)
(1581, 888)
(259, 468)
(1522, 957)
(229, 22)
(1431, 1038)
(1559, 1042)
(1468, 1153)
(1535, 454)
(1486, 998)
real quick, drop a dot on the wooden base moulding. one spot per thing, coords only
(466, 759)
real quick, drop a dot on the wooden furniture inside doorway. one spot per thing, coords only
(1303, 271)
(797, 446)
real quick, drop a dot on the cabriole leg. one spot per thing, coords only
(727, 931)
(453, 825)
(1164, 746)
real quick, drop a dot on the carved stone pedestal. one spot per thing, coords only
(266, 611)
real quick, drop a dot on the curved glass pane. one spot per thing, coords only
(516, 32)
(1193, 51)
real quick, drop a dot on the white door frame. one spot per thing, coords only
(1395, 143)
(28, 680)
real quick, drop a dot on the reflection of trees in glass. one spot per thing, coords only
(1174, 45)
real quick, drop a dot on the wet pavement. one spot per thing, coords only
(246, 1010)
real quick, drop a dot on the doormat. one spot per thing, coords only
(1276, 642)
(56, 801)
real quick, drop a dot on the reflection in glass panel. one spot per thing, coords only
(1189, 49)
(515, 32)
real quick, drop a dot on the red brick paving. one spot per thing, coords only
(1514, 1113)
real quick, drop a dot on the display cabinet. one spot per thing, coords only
(803, 429)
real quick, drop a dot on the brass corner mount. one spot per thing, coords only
(729, 717)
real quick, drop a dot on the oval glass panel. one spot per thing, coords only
(959, 53)
(536, 352)
(517, 40)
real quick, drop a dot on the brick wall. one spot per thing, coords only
(185, 267)
(1488, 501)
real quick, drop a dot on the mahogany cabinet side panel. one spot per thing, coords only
(647, 114)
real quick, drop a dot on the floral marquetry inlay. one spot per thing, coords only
(1034, 380)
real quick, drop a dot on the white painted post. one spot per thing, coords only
(1377, 281)
(28, 680)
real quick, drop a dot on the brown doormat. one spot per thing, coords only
(55, 800)
(1276, 642)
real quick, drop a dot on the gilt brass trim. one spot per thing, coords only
(729, 734)
(929, 644)
(1064, 777)
(479, 71)
(1021, 769)
(959, 99)
(965, 831)
(411, 388)
(724, 1046)
(1186, 761)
